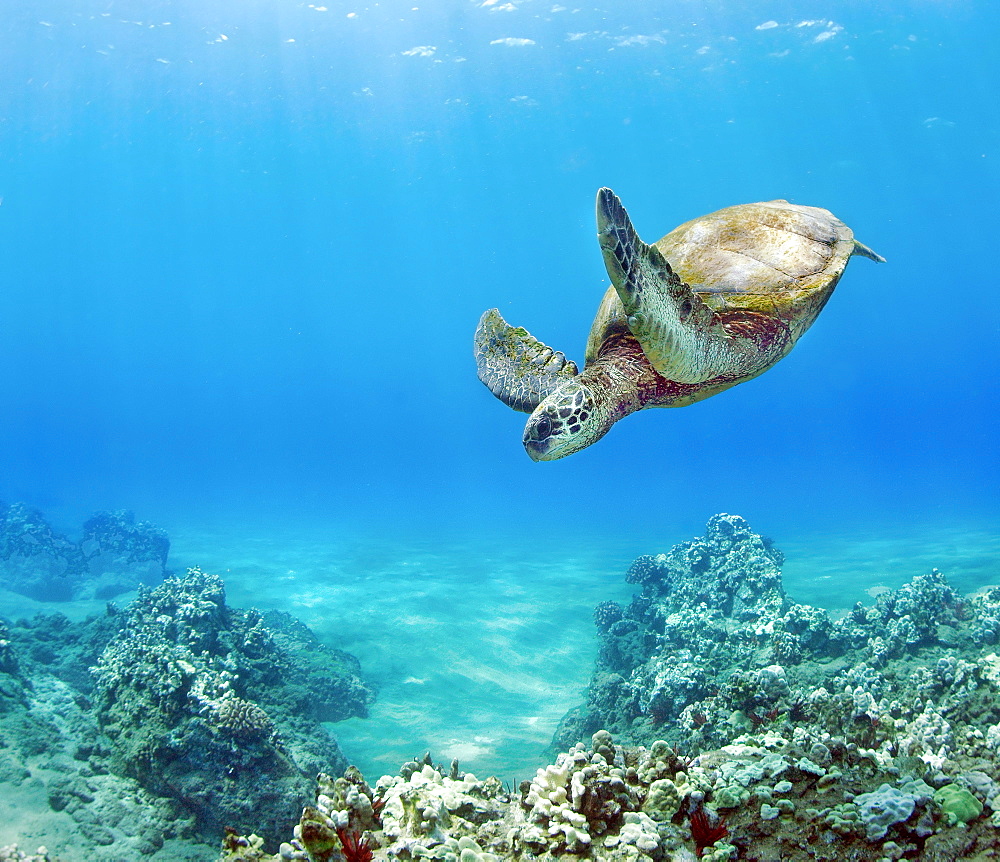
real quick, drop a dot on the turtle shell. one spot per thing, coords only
(774, 258)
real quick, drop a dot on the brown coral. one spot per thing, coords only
(242, 717)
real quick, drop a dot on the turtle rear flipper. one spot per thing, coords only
(516, 366)
(682, 337)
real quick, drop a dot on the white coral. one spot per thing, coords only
(927, 736)
(556, 795)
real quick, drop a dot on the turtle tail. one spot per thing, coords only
(864, 251)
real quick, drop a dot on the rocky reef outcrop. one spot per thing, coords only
(114, 555)
(703, 609)
(172, 719)
(712, 647)
(203, 701)
(744, 726)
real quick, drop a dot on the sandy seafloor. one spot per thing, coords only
(479, 645)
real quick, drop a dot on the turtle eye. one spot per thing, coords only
(544, 427)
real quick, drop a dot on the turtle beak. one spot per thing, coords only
(538, 449)
(538, 437)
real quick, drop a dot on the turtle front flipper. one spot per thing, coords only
(682, 337)
(516, 366)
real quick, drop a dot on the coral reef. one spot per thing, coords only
(958, 804)
(762, 798)
(148, 730)
(703, 654)
(121, 554)
(202, 701)
(896, 703)
(740, 725)
(11, 853)
(53, 644)
(115, 555)
(35, 560)
(730, 570)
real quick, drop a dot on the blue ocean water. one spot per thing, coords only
(244, 245)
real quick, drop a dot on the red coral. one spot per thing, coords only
(703, 832)
(959, 608)
(353, 846)
(681, 761)
(659, 714)
(758, 720)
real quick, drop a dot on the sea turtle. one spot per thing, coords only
(742, 284)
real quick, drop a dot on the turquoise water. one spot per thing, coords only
(480, 647)
(244, 245)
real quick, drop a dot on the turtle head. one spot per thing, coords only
(569, 420)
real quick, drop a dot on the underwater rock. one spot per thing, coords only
(705, 605)
(52, 751)
(730, 569)
(115, 555)
(11, 853)
(856, 744)
(901, 619)
(12, 683)
(325, 683)
(196, 716)
(121, 554)
(54, 644)
(203, 704)
(880, 727)
(668, 683)
(35, 560)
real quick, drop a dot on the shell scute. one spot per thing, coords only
(770, 247)
(780, 251)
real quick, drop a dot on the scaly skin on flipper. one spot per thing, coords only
(683, 338)
(516, 366)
